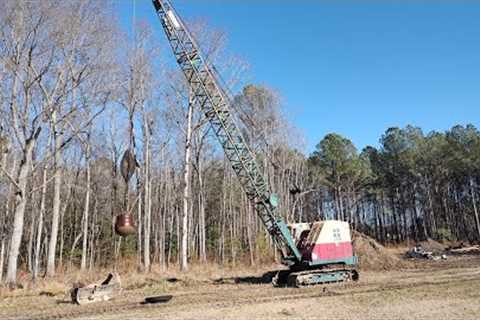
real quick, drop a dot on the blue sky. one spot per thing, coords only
(351, 67)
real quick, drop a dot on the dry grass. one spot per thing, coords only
(132, 278)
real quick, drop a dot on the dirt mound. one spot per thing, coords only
(372, 255)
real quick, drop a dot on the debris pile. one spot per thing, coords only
(373, 256)
(419, 252)
(464, 249)
(428, 250)
(433, 246)
(433, 250)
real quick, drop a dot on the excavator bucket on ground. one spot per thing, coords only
(104, 291)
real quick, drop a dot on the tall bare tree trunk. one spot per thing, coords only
(31, 233)
(52, 246)
(86, 209)
(140, 221)
(4, 214)
(147, 196)
(93, 237)
(38, 242)
(163, 228)
(186, 189)
(20, 204)
(250, 234)
(2, 258)
(201, 215)
(475, 209)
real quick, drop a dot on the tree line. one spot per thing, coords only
(412, 187)
(76, 98)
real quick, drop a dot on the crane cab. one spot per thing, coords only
(324, 242)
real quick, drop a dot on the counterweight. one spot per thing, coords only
(210, 97)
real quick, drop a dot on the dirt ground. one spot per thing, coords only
(441, 290)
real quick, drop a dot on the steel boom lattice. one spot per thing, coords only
(210, 96)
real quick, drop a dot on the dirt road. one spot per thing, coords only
(445, 290)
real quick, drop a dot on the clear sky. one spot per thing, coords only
(353, 67)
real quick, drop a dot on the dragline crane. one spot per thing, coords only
(316, 252)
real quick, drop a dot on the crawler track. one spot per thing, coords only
(320, 277)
